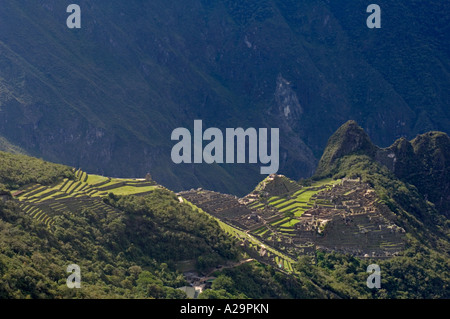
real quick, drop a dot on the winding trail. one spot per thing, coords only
(206, 277)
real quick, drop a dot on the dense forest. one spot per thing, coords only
(18, 170)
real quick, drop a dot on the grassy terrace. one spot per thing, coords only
(96, 179)
(296, 200)
(44, 202)
(258, 206)
(299, 200)
(130, 190)
(276, 257)
(290, 223)
(279, 222)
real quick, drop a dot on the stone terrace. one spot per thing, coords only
(228, 208)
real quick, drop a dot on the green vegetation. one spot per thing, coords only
(428, 168)
(127, 252)
(20, 170)
(126, 246)
(96, 179)
(254, 280)
(290, 223)
(292, 201)
(418, 273)
(348, 139)
(52, 108)
(177, 231)
(291, 198)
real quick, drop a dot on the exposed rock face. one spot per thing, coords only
(287, 101)
(296, 157)
(432, 152)
(423, 162)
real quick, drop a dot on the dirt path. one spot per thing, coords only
(226, 267)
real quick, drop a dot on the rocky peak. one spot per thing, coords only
(422, 162)
(397, 156)
(349, 139)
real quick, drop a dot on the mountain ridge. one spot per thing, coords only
(111, 92)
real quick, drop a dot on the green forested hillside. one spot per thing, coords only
(129, 253)
(19, 170)
(127, 250)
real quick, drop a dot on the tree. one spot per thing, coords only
(290, 215)
(223, 282)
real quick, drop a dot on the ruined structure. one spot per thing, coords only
(345, 216)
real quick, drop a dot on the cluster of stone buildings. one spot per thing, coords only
(346, 217)
(352, 220)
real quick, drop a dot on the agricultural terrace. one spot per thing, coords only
(43, 203)
(253, 246)
(291, 199)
